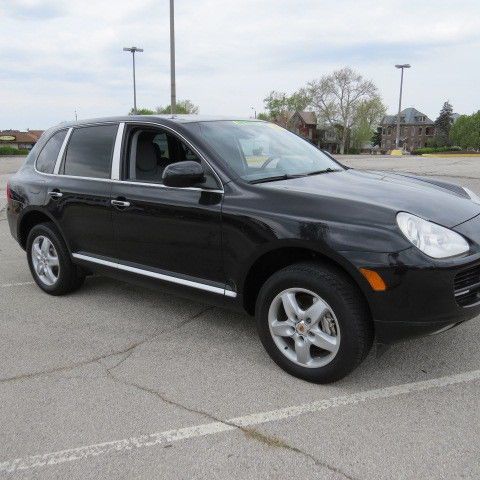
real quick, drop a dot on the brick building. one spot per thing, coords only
(305, 125)
(415, 130)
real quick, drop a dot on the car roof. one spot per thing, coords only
(167, 119)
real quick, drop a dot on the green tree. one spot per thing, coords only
(276, 106)
(263, 116)
(280, 106)
(368, 115)
(183, 107)
(465, 132)
(298, 101)
(142, 111)
(443, 124)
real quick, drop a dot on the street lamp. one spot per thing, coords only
(133, 50)
(397, 139)
(254, 112)
(173, 87)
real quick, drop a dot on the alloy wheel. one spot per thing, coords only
(45, 260)
(304, 327)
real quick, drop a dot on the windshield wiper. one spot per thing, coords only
(274, 179)
(326, 170)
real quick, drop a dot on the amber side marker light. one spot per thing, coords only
(374, 279)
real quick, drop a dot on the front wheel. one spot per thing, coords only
(313, 322)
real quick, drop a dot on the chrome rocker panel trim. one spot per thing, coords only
(158, 276)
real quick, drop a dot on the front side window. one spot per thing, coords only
(258, 151)
(150, 151)
(89, 151)
(49, 154)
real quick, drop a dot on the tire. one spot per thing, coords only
(340, 322)
(50, 262)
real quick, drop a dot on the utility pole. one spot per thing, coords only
(254, 111)
(173, 87)
(133, 50)
(397, 139)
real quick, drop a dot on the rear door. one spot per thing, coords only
(80, 192)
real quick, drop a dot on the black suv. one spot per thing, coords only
(245, 214)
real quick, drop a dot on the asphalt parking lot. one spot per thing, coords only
(115, 381)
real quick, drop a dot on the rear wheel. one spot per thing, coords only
(50, 262)
(313, 322)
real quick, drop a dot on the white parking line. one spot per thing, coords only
(17, 284)
(170, 436)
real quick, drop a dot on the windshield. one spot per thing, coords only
(260, 151)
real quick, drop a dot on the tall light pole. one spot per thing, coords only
(254, 112)
(173, 87)
(397, 139)
(133, 50)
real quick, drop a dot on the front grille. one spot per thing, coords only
(467, 287)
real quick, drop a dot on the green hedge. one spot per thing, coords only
(13, 151)
(421, 151)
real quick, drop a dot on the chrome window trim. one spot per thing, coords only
(109, 180)
(160, 185)
(158, 276)
(117, 151)
(190, 145)
(116, 173)
(62, 151)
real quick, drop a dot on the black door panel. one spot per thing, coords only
(177, 230)
(83, 212)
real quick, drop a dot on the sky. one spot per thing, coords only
(58, 56)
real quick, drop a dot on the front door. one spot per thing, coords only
(173, 230)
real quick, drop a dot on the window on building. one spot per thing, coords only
(89, 151)
(384, 131)
(49, 154)
(420, 130)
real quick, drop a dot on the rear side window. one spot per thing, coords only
(89, 151)
(48, 156)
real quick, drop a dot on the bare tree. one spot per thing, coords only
(337, 97)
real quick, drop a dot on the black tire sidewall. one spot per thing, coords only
(350, 352)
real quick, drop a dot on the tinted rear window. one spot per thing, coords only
(89, 151)
(48, 156)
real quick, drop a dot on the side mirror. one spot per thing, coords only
(183, 174)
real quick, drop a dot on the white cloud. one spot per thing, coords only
(58, 56)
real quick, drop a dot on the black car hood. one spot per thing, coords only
(433, 200)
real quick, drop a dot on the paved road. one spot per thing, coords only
(115, 381)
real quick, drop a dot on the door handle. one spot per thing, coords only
(120, 203)
(55, 194)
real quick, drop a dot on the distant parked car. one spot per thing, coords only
(247, 215)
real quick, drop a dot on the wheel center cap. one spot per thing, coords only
(301, 328)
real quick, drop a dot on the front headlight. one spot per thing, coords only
(432, 239)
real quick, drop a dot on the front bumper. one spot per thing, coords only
(422, 296)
